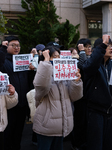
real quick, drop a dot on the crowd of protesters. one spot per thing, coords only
(79, 108)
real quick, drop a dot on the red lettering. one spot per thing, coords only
(73, 75)
(63, 75)
(63, 67)
(69, 67)
(74, 67)
(57, 75)
(22, 62)
(59, 68)
(2, 78)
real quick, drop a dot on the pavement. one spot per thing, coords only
(26, 143)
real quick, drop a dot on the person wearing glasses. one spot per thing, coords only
(79, 141)
(98, 92)
(16, 115)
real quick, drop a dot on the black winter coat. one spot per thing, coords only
(96, 81)
(18, 79)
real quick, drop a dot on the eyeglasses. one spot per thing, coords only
(109, 46)
(15, 46)
(88, 47)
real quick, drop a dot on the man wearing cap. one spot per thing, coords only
(61, 47)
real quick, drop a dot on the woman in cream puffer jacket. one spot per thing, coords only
(53, 117)
(6, 102)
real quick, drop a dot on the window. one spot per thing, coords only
(94, 30)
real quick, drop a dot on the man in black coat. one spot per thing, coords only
(16, 115)
(98, 92)
(80, 113)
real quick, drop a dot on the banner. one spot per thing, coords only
(4, 81)
(21, 62)
(66, 54)
(64, 69)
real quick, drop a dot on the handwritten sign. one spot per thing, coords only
(64, 69)
(4, 81)
(21, 62)
(66, 54)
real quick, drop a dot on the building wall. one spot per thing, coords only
(72, 10)
(11, 5)
(87, 3)
(105, 8)
(67, 9)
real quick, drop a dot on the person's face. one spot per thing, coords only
(74, 52)
(88, 50)
(13, 47)
(108, 53)
(55, 55)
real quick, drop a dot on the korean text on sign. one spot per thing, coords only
(21, 62)
(4, 81)
(65, 54)
(64, 69)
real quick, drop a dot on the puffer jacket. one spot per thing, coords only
(6, 102)
(31, 102)
(54, 116)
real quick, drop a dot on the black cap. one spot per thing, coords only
(55, 44)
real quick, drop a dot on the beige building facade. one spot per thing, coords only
(94, 16)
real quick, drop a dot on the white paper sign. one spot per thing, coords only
(110, 82)
(21, 62)
(4, 81)
(35, 61)
(66, 54)
(64, 69)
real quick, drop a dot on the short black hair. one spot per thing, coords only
(12, 38)
(83, 41)
(99, 41)
(51, 49)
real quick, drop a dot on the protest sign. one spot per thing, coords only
(65, 54)
(35, 61)
(21, 62)
(110, 82)
(4, 81)
(64, 69)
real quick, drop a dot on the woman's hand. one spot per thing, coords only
(78, 75)
(46, 55)
(34, 51)
(11, 89)
(31, 67)
(106, 38)
(81, 47)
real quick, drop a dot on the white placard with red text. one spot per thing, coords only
(21, 62)
(65, 54)
(4, 81)
(64, 69)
